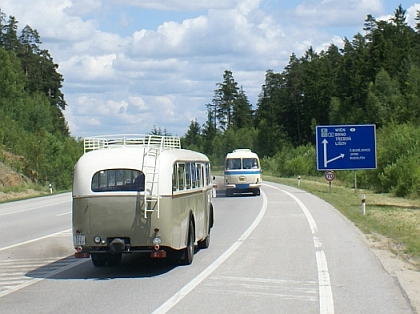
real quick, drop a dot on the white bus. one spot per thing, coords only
(242, 172)
(140, 193)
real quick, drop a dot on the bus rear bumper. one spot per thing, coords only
(153, 253)
(243, 186)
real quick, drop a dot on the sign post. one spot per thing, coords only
(329, 176)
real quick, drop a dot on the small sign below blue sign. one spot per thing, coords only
(346, 147)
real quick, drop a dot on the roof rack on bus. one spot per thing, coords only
(161, 142)
(241, 150)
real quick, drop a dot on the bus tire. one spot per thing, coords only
(256, 192)
(211, 217)
(204, 244)
(188, 252)
(98, 260)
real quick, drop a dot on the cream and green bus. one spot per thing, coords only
(242, 172)
(140, 193)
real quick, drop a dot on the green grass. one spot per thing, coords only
(397, 219)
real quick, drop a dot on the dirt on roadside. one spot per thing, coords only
(405, 271)
(12, 185)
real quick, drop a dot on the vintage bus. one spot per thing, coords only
(242, 172)
(140, 193)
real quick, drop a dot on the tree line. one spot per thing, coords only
(373, 79)
(33, 129)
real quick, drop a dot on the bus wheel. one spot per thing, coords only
(114, 259)
(188, 252)
(205, 243)
(98, 260)
(256, 192)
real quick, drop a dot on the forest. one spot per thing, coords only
(34, 136)
(374, 78)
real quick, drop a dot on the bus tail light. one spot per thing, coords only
(81, 255)
(158, 254)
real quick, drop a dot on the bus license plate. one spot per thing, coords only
(79, 240)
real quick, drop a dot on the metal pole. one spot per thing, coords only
(355, 182)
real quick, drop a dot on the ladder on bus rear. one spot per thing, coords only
(153, 148)
(151, 173)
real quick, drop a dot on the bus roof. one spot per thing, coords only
(242, 152)
(160, 142)
(129, 156)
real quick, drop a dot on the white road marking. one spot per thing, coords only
(326, 303)
(25, 281)
(16, 279)
(33, 240)
(63, 214)
(32, 208)
(184, 291)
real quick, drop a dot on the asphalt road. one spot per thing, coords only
(285, 251)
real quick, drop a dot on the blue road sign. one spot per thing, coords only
(346, 147)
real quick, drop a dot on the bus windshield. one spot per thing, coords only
(241, 163)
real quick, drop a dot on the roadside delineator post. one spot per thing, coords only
(51, 188)
(298, 183)
(363, 206)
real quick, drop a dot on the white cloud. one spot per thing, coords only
(165, 75)
(337, 12)
(177, 5)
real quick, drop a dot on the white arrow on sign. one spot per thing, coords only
(326, 162)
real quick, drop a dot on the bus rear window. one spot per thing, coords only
(117, 180)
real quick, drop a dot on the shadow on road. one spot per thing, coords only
(133, 265)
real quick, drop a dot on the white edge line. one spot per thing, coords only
(184, 291)
(33, 240)
(32, 208)
(33, 281)
(326, 302)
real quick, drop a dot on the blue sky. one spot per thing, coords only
(130, 65)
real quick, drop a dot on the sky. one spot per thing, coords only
(132, 66)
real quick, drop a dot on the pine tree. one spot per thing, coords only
(224, 99)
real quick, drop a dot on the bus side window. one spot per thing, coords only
(181, 176)
(174, 178)
(207, 174)
(197, 176)
(188, 175)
